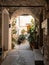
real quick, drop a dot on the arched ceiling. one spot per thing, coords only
(25, 11)
(35, 10)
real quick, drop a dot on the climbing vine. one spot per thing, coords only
(14, 31)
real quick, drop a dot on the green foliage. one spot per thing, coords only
(13, 23)
(31, 31)
(31, 37)
(13, 40)
(14, 31)
(21, 38)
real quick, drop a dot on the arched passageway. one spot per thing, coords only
(5, 30)
(19, 12)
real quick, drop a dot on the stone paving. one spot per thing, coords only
(20, 56)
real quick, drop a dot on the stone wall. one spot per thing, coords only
(46, 43)
(46, 50)
(45, 26)
(0, 30)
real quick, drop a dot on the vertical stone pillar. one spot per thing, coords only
(5, 29)
(40, 29)
(46, 45)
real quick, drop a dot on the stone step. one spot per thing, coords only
(39, 60)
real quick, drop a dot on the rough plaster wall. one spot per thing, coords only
(23, 2)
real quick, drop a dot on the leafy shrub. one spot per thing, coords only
(21, 38)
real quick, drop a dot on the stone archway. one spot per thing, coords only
(21, 11)
(18, 12)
